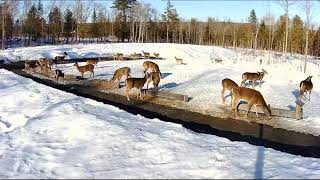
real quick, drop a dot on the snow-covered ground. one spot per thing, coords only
(53, 134)
(200, 79)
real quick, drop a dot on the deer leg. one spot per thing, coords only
(250, 105)
(148, 83)
(254, 84)
(309, 95)
(256, 110)
(242, 82)
(92, 74)
(127, 93)
(222, 95)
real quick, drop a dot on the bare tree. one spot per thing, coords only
(285, 5)
(307, 6)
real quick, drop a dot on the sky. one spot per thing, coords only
(235, 10)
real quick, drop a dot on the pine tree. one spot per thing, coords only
(297, 35)
(55, 23)
(316, 44)
(123, 7)
(94, 25)
(253, 20)
(263, 35)
(69, 24)
(32, 25)
(170, 18)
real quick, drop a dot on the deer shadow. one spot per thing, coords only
(250, 83)
(169, 85)
(296, 94)
(164, 75)
(291, 108)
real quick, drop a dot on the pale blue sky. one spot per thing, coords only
(236, 10)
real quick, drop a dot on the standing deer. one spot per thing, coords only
(253, 77)
(85, 68)
(58, 74)
(227, 84)
(136, 83)
(153, 66)
(118, 56)
(155, 79)
(146, 54)
(253, 97)
(305, 86)
(93, 61)
(124, 71)
(179, 60)
(156, 55)
(61, 58)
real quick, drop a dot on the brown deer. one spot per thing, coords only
(227, 84)
(118, 56)
(146, 54)
(253, 77)
(134, 56)
(253, 97)
(156, 55)
(45, 69)
(305, 86)
(59, 74)
(155, 78)
(93, 61)
(60, 58)
(30, 65)
(153, 66)
(136, 83)
(117, 75)
(179, 60)
(138, 54)
(85, 68)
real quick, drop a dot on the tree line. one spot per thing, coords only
(134, 21)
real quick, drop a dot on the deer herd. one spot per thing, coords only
(238, 93)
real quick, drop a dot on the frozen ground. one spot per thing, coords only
(199, 78)
(47, 133)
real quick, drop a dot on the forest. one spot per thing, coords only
(134, 21)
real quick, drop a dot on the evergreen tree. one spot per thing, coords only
(263, 35)
(32, 25)
(170, 18)
(54, 23)
(297, 35)
(253, 20)
(94, 25)
(123, 7)
(316, 44)
(69, 24)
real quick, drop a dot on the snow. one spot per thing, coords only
(200, 79)
(47, 133)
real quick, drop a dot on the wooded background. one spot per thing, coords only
(133, 21)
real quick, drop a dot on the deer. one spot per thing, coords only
(179, 60)
(253, 97)
(118, 56)
(134, 56)
(60, 58)
(58, 74)
(45, 69)
(153, 66)
(227, 84)
(138, 54)
(28, 65)
(138, 83)
(124, 71)
(85, 68)
(305, 86)
(93, 61)
(156, 55)
(146, 54)
(155, 78)
(253, 77)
